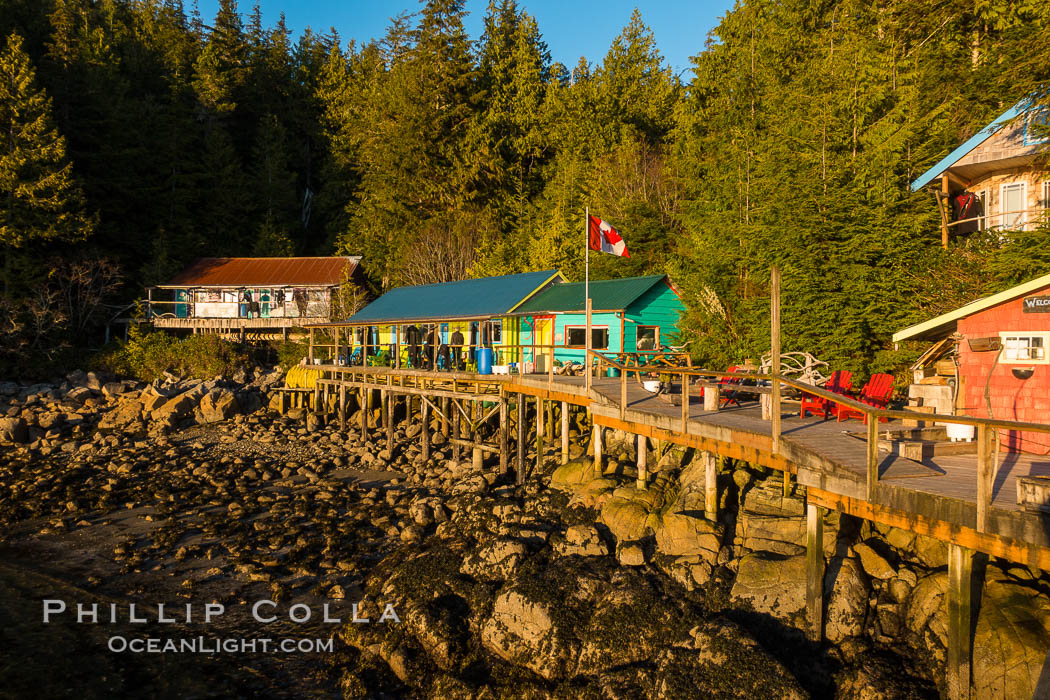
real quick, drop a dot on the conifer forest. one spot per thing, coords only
(140, 135)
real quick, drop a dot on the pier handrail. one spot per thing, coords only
(986, 444)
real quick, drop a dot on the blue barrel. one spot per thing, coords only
(484, 360)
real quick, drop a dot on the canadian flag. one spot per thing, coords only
(603, 237)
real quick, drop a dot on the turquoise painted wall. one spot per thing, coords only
(601, 319)
(660, 306)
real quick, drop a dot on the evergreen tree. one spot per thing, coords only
(40, 200)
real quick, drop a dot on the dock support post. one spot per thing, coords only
(456, 432)
(710, 486)
(521, 440)
(424, 433)
(685, 404)
(504, 437)
(643, 475)
(444, 416)
(787, 483)
(389, 415)
(342, 406)
(564, 432)
(596, 435)
(477, 458)
(960, 611)
(317, 398)
(362, 412)
(540, 441)
(814, 571)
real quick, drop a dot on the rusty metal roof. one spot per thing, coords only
(248, 272)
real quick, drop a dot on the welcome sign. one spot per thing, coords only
(1036, 305)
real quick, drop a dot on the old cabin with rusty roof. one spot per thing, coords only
(256, 296)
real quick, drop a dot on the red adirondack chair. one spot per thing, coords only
(840, 382)
(877, 392)
(727, 395)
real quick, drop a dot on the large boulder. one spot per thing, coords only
(569, 476)
(679, 534)
(626, 517)
(772, 533)
(127, 411)
(13, 430)
(1013, 635)
(846, 588)
(522, 630)
(772, 583)
(876, 558)
(176, 408)
(581, 540)
(219, 405)
(925, 617)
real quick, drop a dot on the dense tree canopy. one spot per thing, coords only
(153, 137)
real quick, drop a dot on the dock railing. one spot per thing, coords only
(684, 376)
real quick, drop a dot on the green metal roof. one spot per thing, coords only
(477, 298)
(606, 295)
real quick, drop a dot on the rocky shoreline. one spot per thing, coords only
(578, 585)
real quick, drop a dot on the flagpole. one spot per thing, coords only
(587, 294)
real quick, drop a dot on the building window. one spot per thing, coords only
(1012, 203)
(495, 331)
(576, 337)
(648, 338)
(1025, 348)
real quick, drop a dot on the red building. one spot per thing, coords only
(1000, 348)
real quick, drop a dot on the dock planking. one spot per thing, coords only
(937, 496)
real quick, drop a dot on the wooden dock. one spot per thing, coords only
(968, 501)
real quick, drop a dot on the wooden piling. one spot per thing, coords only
(596, 436)
(455, 431)
(539, 434)
(643, 476)
(389, 417)
(424, 433)
(342, 406)
(710, 486)
(445, 416)
(564, 432)
(362, 411)
(814, 572)
(521, 440)
(960, 611)
(504, 435)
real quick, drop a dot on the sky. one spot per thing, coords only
(571, 28)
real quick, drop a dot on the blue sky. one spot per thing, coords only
(571, 28)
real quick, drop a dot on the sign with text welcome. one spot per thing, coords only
(1036, 305)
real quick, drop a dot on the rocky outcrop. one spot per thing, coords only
(772, 583)
(1012, 637)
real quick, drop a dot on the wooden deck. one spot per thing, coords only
(937, 497)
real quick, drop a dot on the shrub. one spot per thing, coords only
(147, 355)
(290, 353)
